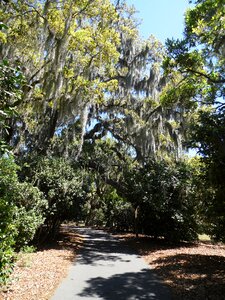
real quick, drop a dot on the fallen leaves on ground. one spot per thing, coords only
(191, 270)
(37, 275)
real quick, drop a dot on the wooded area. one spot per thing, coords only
(95, 122)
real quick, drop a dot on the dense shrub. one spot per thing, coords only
(21, 213)
(162, 193)
(209, 132)
(30, 212)
(8, 178)
(62, 186)
(7, 238)
(119, 213)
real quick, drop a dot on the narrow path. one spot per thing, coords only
(106, 269)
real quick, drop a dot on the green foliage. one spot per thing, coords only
(85, 64)
(62, 185)
(30, 212)
(119, 213)
(209, 131)
(69, 53)
(199, 57)
(196, 66)
(21, 213)
(10, 85)
(28, 249)
(7, 237)
(162, 194)
(11, 82)
(160, 190)
(104, 207)
(8, 232)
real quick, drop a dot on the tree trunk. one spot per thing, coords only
(136, 221)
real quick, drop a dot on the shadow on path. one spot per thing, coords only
(100, 246)
(141, 285)
(106, 268)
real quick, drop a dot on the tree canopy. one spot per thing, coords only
(196, 64)
(95, 122)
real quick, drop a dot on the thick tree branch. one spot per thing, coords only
(221, 80)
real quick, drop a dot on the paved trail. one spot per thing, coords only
(106, 269)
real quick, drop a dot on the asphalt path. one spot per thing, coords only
(107, 269)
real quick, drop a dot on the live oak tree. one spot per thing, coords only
(133, 113)
(85, 57)
(66, 49)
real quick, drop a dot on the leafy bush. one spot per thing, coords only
(29, 213)
(21, 213)
(8, 178)
(209, 132)
(119, 212)
(11, 84)
(162, 193)
(7, 238)
(62, 186)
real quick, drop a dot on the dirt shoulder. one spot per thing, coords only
(37, 275)
(191, 270)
